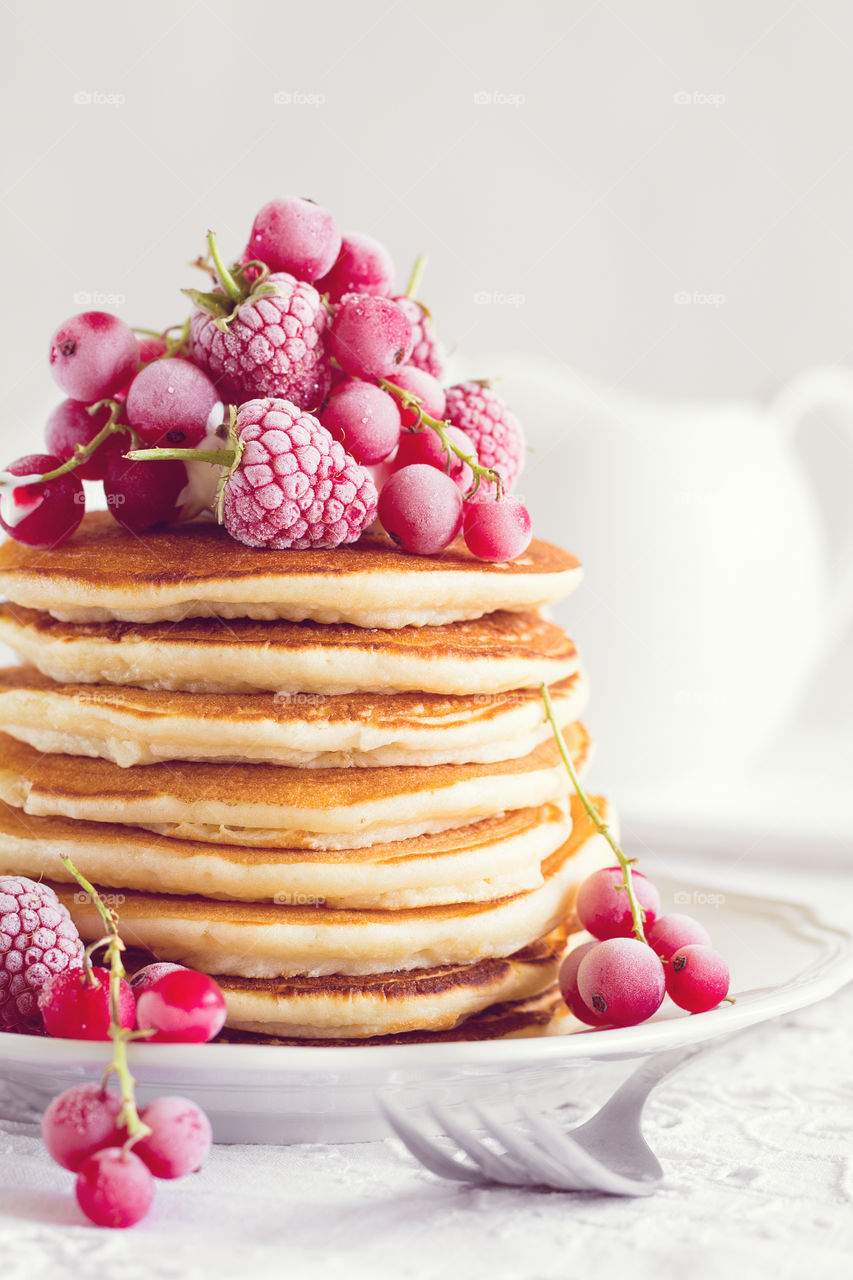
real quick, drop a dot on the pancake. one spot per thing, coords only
(140, 726)
(493, 858)
(198, 569)
(493, 654)
(260, 940)
(267, 805)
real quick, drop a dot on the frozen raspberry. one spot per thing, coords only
(294, 486)
(495, 432)
(272, 346)
(428, 350)
(37, 939)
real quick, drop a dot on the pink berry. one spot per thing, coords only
(37, 940)
(370, 337)
(668, 933)
(623, 980)
(498, 531)
(425, 446)
(170, 402)
(180, 1137)
(697, 978)
(294, 235)
(568, 979)
(295, 486)
(603, 908)
(362, 266)
(42, 514)
(141, 495)
(428, 390)
(420, 509)
(494, 431)
(71, 424)
(92, 355)
(114, 1188)
(75, 1008)
(145, 978)
(364, 418)
(427, 349)
(186, 1007)
(79, 1122)
(151, 347)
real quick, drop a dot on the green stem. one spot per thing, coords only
(84, 451)
(226, 279)
(637, 913)
(417, 276)
(218, 457)
(410, 401)
(128, 1117)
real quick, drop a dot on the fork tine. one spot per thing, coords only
(496, 1167)
(424, 1149)
(598, 1176)
(548, 1172)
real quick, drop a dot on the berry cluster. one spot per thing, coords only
(298, 387)
(635, 957)
(48, 983)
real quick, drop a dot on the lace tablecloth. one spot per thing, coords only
(756, 1140)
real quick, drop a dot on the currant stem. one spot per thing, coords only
(84, 451)
(637, 913)
(410, 401)
(217, 457)
(226, 279)
(417, 276)
(128, 1117)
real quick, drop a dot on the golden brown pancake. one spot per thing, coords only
(264, 804)
(197, 569)
(492, 654)
(142, 726)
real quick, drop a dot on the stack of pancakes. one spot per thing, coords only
(324, 777)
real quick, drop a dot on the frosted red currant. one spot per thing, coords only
(668, 933)
(185, 1006)
(497, 531)
(294, 235)
(362, 266)
(370, 337)
(41, 513)
(71, 424)
(622, 979)
(114, 1188)
(79, 1122)
(364, 418)
(425, 446)
(92, 355)
(420, 509)
(172, 401)
(428, 390)
(697, 978)
(77, 1007)
(145, 978)
(568, 980)
(180, 1137)
(604, 909)
(141, 495)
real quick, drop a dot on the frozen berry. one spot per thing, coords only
(568, 979)
(498, 531)
(170, 402)
(604, 909)
(38, 940)
(41, 513)
(114, 1188)
(81, 1121)
(420, 509)
(425, 446)
(362, 266)
(697, 978)
(180, 1137)
(71, 424)
(75, 1007)
(427, 349)
(185, 1006)
(622, 979)
(141, 495)
(364, 418)
(370, 337)
(92, 355)
(428, 390)
(495, 432)
(294, 235)
(145, 978)
(668, 933)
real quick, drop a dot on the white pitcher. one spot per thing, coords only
(709, 598)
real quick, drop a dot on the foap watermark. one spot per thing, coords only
(108, 899)
(96, 98)
(285, 699)
(299, 900)
(695, 98)
(498, 98)
(494, 298)
(94, 298)
(697, 898)
(298, 98)
(696, 298)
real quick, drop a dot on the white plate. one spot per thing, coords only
(781, 958)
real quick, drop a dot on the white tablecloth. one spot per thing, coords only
(756, 1139)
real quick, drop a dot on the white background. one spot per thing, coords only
(572, 169)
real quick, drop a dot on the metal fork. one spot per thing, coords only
(606, 1153)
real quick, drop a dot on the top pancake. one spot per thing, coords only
(197, 570)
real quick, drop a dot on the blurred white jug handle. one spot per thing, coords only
(826, 387)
